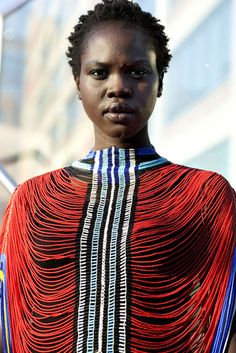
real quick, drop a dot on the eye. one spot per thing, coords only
(139, 73)
(99, 74)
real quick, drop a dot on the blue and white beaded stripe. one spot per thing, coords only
(4, 306)
(103, 161)
(5, 322)
(113, 254)
(83, 248)
(228, 311)
(80, 165)
(153, 163)
(105, 178)
(123, 257)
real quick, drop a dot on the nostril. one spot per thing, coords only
(121, 92)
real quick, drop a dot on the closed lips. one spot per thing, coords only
(120, 108)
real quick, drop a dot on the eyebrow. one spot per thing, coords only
(95, 62)
(139, 61)
(131, 63)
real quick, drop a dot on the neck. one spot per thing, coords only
(141, 139)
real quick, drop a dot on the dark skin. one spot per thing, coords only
(118, 65)
(232, 345)
(118, 85)
(118, 68)
(232, 339)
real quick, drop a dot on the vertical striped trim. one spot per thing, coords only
(123, 257)
(104, 250)
(228, 311)
(94, 257)
(107, 222)
(83, 268)
(5, 324)
(113, 258)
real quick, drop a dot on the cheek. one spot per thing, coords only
(87, 93)
(148, 94)
(84, 89)
(148, 88)
(143, 87)
(91, 92)
(90, 103)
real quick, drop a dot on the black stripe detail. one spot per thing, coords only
(88, 267)
(118, 271)
(77, 268)
(99, 273)
(112, 215)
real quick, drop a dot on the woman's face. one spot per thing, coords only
(118, 84)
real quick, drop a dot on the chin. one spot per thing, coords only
(121, 132)
(122, 136)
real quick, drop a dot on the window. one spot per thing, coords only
(13, 60)
(72, 109)
(215, 159)
(172, 2)
(201, 63)
(147, 5)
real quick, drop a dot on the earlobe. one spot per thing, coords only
(159, 92)
(160, 86)
(78, 87)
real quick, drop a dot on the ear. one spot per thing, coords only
(77, 81)
(160, 86)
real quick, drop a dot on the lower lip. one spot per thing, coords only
(119, 117)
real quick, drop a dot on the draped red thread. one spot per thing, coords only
(41, 243)
(181, 251)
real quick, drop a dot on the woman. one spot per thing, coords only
(123, 251)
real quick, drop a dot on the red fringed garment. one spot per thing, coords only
(122, 252)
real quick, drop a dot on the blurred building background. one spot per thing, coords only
(42, 123)
(197, 111)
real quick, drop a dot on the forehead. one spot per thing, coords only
(117, 38)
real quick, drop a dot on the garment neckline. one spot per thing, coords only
(132, 152)
(119, 158)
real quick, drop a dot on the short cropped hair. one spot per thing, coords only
(126, 12)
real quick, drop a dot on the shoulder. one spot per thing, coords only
(215, 189)
(197, 181)
(211, 192)
(179, 173)
(36, 184)
(201, 176)
(40, 179)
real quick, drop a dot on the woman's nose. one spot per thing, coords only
(119, 87)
